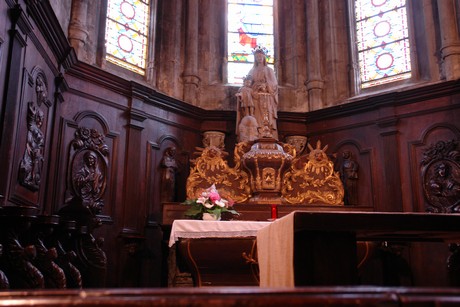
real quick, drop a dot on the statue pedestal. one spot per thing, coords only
(266, 163)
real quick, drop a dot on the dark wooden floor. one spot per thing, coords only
(237, 296)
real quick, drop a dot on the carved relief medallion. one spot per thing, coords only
(441, 177)
(89, 168)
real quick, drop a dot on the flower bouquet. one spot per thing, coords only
(209, 206)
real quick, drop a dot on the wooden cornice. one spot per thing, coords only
(45, 18)
(401, 97)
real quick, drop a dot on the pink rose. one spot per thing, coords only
(214, 196)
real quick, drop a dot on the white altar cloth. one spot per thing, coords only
(275, 243)
(275, 253)
(213, 229)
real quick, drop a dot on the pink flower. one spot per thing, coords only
(214, 196)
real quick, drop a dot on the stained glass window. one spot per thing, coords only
(250, 23)
(382, 41)
(127, 33)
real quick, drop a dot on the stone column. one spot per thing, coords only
(190, 76)
(78, 35)
(450, 43)
(336, 54)
(314, 84)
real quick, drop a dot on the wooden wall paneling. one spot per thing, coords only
(29, 58)
(76, 112)
(360, 192)
(90, 134)
(20, 28)
(97, 122)
(292, 123)
(429, 261)
(3, 60)
(390, 187)
(422, 132)
(140, 123)
(357, 133)
(33, 139)
(154, 263)
(134, 210)
(67, 132)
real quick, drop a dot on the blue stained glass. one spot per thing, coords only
(382, 41)
(250, 23)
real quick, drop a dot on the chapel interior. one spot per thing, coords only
(67, 105)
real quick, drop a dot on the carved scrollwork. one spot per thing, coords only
(441, 177)
(274, 174)
(312, 179)
(210, 168)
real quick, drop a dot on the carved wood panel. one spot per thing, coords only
(33, 138)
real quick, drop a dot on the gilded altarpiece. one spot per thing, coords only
(273, 175)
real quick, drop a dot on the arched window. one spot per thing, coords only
(250, 23)
(126, 34)
(382, 41)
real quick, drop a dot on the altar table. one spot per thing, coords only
(307, 248)
(324, 247)
(218, 253)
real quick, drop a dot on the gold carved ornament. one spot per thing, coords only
(210, 168)
(312, 180)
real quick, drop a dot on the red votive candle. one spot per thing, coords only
(274, 212)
